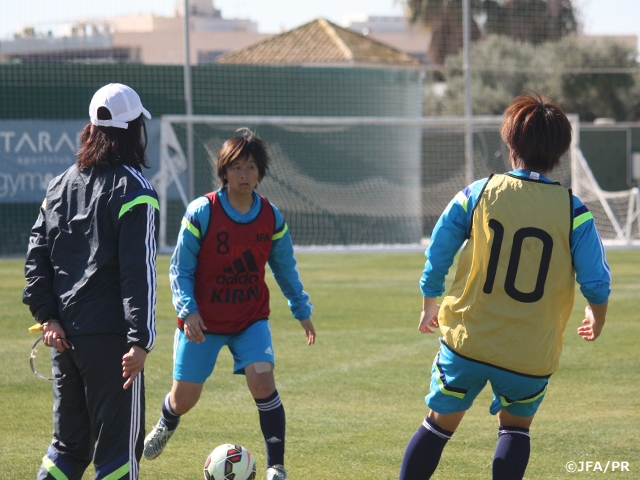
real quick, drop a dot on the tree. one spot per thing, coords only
(597, 94)
(593, 79)
(444, 18)
(534, 21)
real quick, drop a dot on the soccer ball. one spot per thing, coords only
(230, 462)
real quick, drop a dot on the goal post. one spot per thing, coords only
(359, 181)
(617, 214)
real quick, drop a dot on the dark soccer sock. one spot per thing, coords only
(169, 417)
(512, 453)
(424, 451)
(273, 424)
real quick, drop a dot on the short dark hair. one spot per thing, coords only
(537, 132)
(242, 147)
(107, 146)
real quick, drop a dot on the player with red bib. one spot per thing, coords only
(219, 291)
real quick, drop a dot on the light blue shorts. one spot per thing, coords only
(194, 362)
(456, 382)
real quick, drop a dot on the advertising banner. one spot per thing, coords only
(33, 152)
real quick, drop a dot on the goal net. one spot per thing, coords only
(355, 181)
(616, 213)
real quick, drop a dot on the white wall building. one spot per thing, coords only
(396, 32)
(143, 38)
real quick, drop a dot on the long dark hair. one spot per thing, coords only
(107, 146)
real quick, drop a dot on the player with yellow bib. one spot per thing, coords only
(528, 240)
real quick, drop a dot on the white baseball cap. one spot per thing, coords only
(122, 102)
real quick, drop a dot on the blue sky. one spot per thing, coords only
(600, 17)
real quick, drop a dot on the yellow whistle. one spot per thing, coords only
(35, 328)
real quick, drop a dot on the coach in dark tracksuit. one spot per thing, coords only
(91, 277)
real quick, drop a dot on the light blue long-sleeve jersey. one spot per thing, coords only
(184, 261)
(592, 272)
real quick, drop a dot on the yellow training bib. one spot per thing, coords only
(514, 287)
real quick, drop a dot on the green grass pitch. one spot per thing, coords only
(354, 399)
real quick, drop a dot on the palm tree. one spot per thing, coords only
(444, 18)
(532, 21)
